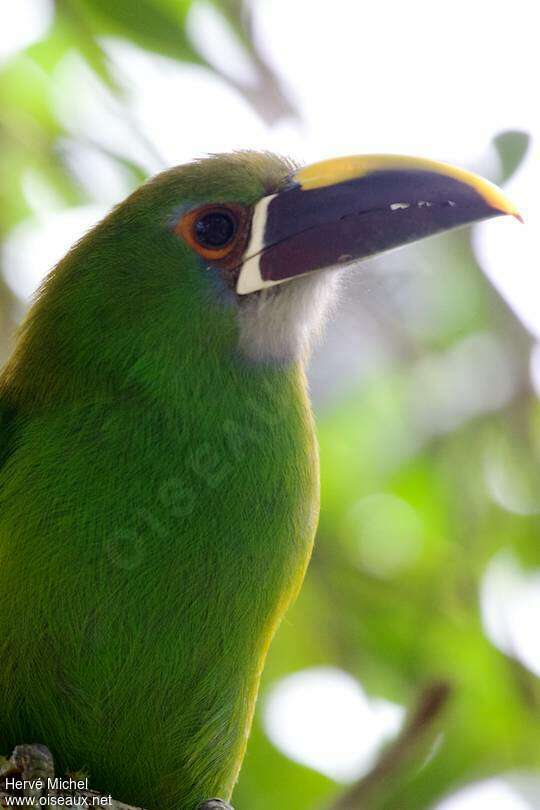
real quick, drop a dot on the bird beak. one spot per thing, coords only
(340, 211)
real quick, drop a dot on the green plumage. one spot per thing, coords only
(158, 500)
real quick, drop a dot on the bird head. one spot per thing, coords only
(231, 257)
(265, 238)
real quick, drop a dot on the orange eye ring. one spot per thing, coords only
(216, 232)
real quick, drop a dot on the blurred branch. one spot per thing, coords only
(266, 95)
(413, 743)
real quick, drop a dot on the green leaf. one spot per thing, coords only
(512, 147)
(155, 25)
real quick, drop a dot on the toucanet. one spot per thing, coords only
(158, 463)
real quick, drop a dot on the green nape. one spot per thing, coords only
(158, 500)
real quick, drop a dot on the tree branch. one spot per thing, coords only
(266, 95)
(413, 743)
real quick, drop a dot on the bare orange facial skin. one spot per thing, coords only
(223, 250)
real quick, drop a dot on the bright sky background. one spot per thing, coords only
(425, 78)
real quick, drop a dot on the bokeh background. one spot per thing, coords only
(427, 565)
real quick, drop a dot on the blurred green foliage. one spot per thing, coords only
(428, 470)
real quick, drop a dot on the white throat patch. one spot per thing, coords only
(280, 324)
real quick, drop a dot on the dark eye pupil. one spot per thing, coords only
(215, 229)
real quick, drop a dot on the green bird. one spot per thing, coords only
(158, 462)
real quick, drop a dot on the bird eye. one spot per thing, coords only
(215, 229)
(217, 232)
